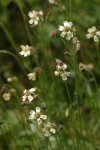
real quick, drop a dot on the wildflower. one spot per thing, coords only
(61, 70)
(30, 95)
(52, 1)
(6, 96)
(26, 50)
(32, 76)
(93, 33)
(35, 17)
(49, 128)
(36, 115)
(67, 30)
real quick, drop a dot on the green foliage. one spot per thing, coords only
(73, 105)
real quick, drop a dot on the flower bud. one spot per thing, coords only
(60, 128)
(75, 39)
(78, 46)
(52, 34)
(43, 106)
(58, 61)
(24, 103)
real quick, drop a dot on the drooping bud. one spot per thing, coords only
(52, 34)
(43, 106)
(58, 61)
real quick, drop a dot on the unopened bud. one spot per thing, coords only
(60, 128)
(75, 39)
(11, 79)
(37, 70)
(67, 55)
(82, 67)
(58, 61)
(12, 91)
(78, 46)
(24, 103)
(52, 34)
(43, 106)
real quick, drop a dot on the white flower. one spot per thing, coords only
(26, 50)
(65, 75)
(61, 70)
(52, 1)
(35, 17)
(67, 30)
(32, 76)
(49, 128)
(93, 33)
(36, 115)
(29, 95)
(6, 96)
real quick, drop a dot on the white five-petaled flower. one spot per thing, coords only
(6, 96)
(36, 115)
(32, 76)
(61, 71)
(26, 50)
(35, 17)
(29, 95)
(49, 128)
(93, 33)
(67, 30)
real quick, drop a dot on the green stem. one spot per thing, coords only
(9, 36)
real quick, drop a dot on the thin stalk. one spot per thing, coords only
(13, 55)
(98, 54)
(46, 143)
(25, 22)
(60, 141)
(70, 7)
(50, 145)
(9, 37)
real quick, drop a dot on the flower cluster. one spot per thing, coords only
(67, 30)
(61, 70)
(35, 17)
(39, 117)
(30, 95)
(26, 50)
(36, 115)
(93, 33)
